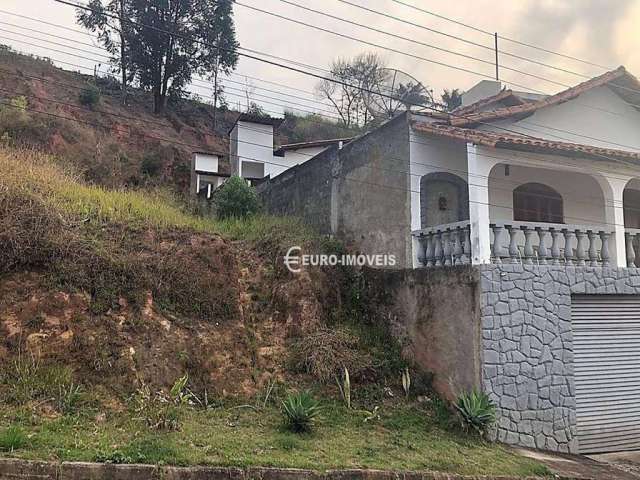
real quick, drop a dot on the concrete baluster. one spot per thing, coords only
(466, 248)
(457, 246)
(593, 249)
(430, 257)
(513, 243)
(555, 246)
(422, 254)
(606, 257)
(568, 246)
(581, 252)
(446, 248)
(542, 247)
(631, 254)
(496, 248)
(528, 245)
(438, 249)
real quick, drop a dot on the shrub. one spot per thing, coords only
(151, 165)
(12, 438)
(89, 96)
(324, 353)
(300, 411)
(236, 199)
(476, 411)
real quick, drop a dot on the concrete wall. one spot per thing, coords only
(304, 191)
(435, 314)
(294, 157)
(527, 347)
(359, 193)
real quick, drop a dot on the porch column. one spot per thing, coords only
(478, 170)
(613, 189)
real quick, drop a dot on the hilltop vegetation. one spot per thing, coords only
(81, 119)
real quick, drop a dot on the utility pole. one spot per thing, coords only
(495, 38)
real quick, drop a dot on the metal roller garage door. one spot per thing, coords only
(606, 342)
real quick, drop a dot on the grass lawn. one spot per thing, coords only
(405, 436)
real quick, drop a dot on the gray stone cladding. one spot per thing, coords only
(527, 347)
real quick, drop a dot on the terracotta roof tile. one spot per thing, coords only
(476, 106)
(522, 142)
(568, 94)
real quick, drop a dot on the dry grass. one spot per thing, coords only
(325, 352)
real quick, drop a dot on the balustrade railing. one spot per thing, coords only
(550, 244)
(444, 245)
(525, 243)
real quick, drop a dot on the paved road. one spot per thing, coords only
(621, 466)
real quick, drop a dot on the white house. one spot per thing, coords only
(517, 218)
(252, 155)
(565, 166)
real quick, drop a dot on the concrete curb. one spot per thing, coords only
(13, 469)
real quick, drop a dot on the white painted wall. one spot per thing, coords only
(582, 196)
(206, 163)
(598, 117)
(430, 154)
(292, 158)
(252, 142)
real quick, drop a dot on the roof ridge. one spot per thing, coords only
(560, 97)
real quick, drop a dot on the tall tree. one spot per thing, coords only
(200, 40)
(353, 79)
(111, 21)
(451, 98)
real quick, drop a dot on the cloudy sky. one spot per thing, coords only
(603, 32)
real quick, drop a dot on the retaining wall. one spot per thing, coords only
(527, 347)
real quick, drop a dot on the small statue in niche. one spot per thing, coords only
(442, 203)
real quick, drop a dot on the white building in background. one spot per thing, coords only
(252, 155)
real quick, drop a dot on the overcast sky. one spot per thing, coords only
(604, 32)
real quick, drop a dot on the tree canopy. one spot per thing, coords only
(165, 42)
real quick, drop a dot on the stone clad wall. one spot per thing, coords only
(527, 347)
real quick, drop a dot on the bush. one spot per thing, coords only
(89, 96)
(13, 438)
(236, 199)
(477, 411)
(324, 353)
(151, 165)
(300, 411)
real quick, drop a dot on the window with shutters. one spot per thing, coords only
(535, 202)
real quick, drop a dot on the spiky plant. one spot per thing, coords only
(300, 411)
(477, 411)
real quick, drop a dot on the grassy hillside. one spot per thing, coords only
(83, 120)
(109, 297)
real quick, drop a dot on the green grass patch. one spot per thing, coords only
(12, 438)
(406, 436)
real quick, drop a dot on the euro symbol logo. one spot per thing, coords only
(293, 261)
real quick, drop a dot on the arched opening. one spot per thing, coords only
(444, 198)
(536, 202)
(631, 202)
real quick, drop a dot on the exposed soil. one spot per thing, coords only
(128, 346)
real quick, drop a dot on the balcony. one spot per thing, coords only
(526, 243)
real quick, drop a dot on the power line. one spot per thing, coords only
(464, 40)
(270, 148)
(304, 72)
(372, 44)
(466, 25)
(417, 42)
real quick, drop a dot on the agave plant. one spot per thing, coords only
(477, 411)
(300, 411)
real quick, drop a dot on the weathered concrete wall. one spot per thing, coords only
(527, 347)
(372, 198)
(303, 191)
(359, 193)
(435, 315)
